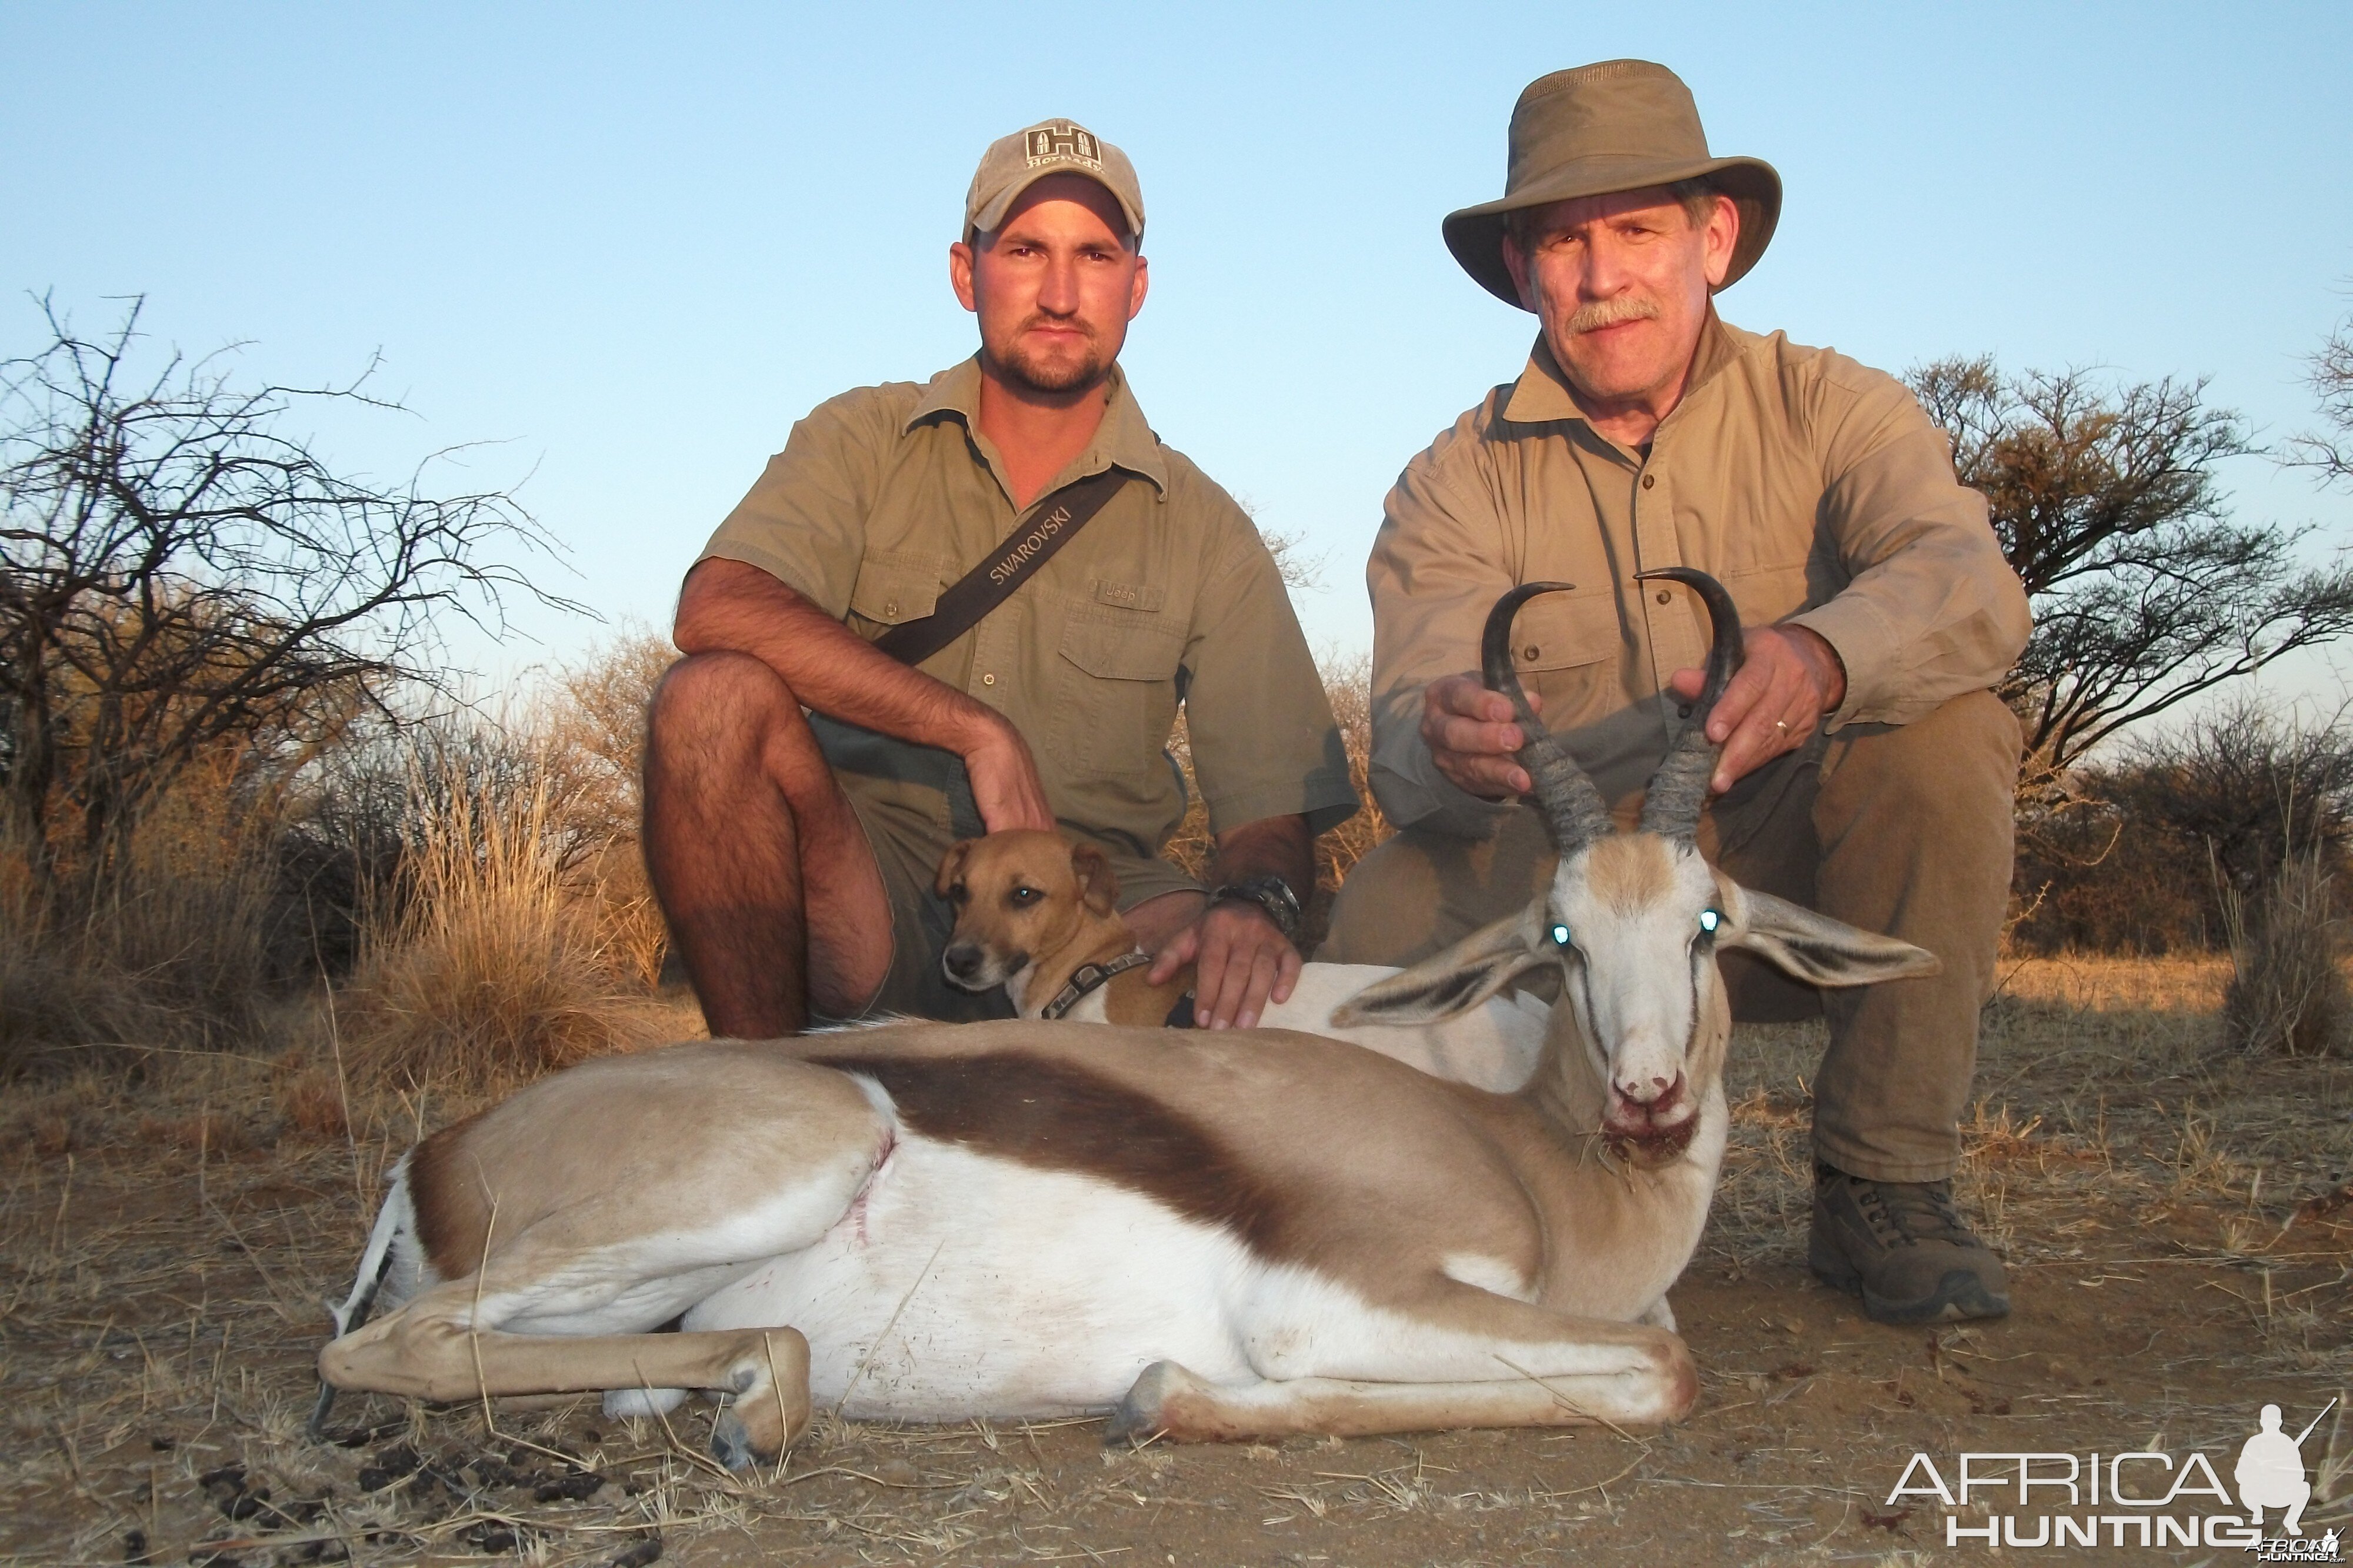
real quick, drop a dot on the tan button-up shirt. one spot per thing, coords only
(1814, 488)
(886, 495)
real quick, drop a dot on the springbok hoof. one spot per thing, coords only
(731, 1441)
(768, 1401)
(1144, 1414)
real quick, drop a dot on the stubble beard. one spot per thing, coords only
(1080, 372)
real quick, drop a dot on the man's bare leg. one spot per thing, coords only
(770, 890)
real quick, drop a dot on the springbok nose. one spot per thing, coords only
(1656, 1092)
(963, 960)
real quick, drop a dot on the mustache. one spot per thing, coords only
(1059, 323)
(1611, 312)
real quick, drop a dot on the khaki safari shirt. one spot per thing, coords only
(885, 495)
(1815, 488)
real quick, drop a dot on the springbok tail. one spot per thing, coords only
(378, 1257)
(375, 1260)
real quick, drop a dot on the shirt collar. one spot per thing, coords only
(1123, 439)
(1542, 392)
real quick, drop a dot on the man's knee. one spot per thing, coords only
(1960, 760)
(1382, 911)
(707, 694)
(1418, 892)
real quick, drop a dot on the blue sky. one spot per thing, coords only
(634, 245)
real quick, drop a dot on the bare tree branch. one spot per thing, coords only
(2329, 451)
(177, 575)
(2107, 505)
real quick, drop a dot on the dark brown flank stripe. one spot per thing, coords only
(449, 1204)
(1056, 1116)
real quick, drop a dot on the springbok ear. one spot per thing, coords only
(1098, 887)
(952, 865)
(1816, 948)
(1454, 980)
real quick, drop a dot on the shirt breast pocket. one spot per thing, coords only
(893, 589)
(1567, 648)
(1119, 692)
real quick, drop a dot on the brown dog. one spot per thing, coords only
(1032, 912)
(1040, 916)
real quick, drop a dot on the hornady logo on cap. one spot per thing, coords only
(2141, 1498)
(1062, 142)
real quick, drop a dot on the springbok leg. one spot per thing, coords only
(1170, 1402)
(425, 1351)
(1456, 1356)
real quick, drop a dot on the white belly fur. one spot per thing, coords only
(960, 1285)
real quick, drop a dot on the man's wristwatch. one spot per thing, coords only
(1271, 894)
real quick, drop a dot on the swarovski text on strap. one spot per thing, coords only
(1029, 546)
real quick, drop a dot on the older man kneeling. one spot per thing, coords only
(1867, 769)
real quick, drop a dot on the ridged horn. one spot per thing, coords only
(1572, 806)
(1678, 791)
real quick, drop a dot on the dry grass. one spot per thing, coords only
(166, 947)
(2111, 1111)
(495, 970)
(2288, 992)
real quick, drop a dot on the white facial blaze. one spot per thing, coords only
(1633, 979)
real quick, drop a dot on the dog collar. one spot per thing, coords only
(1091, 977)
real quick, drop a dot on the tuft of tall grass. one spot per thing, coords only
(493, 969)
(2287, 994)
(163, 946)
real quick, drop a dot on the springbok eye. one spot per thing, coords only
(1709, 920)
(1560, 936)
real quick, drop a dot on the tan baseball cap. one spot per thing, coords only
(1013, 164)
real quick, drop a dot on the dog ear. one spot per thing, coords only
(952, 865)
(1098, 887)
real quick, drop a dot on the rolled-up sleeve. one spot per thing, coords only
(1438, 565)
(1931, 609)
(1264, 738)
(803, 521)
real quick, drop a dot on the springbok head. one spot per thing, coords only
(1633, 922)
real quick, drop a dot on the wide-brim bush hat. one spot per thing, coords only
(1619, 125)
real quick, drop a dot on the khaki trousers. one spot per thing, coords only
(1902, 829)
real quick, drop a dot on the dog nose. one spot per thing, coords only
(964, 960)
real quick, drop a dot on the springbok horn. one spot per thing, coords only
(1571, 805)
(1678, 791)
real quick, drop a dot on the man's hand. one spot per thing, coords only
(1471, 736)
(1241, 961)
(1005, 783)
(1791, 680)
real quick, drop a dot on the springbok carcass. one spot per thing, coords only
(1212, 1234)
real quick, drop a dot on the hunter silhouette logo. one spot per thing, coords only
(1062, 142)
(2270, 1471)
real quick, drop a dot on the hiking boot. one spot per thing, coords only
(1903, 1249)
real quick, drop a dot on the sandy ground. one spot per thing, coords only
(2177, 1222)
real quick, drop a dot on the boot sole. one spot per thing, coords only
(1960, 1296)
